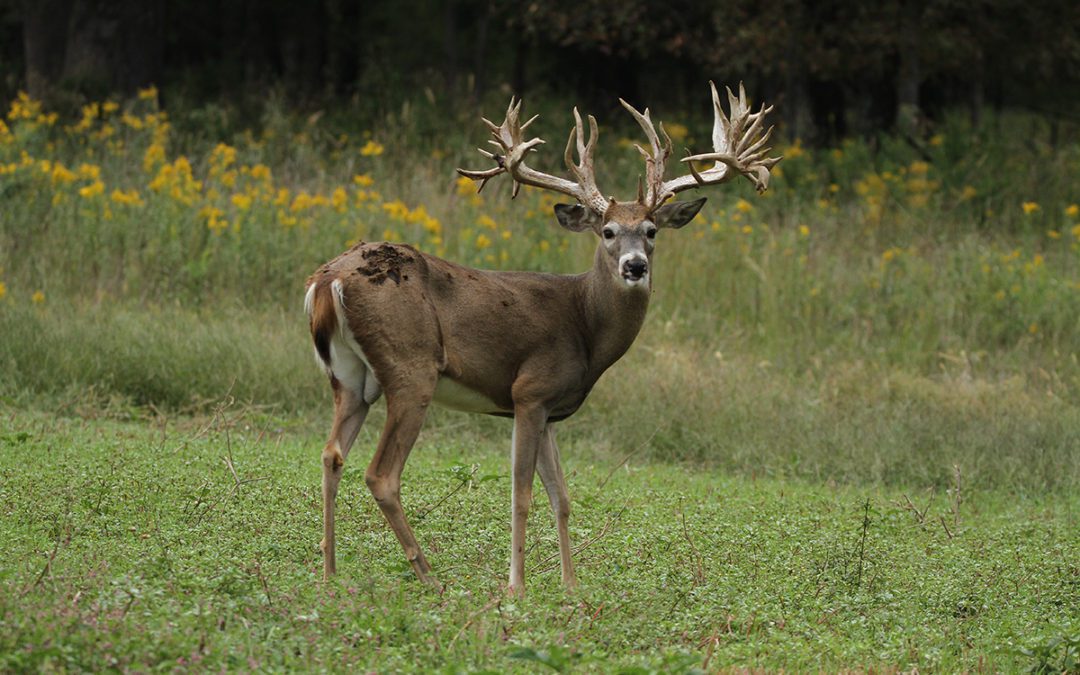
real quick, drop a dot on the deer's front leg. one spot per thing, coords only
(550, 469)
(529, 423)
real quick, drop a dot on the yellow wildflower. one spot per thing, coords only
(339, 199)
(24, 107)
(241, 201)
(937, 139)
(967, 193)
(488, 222)
(396, 209)
(364, 180)
(804, 231)
(744, 206)
(92, 190)
(1053, 234)
(91, 171)
(482, 241)
(371, 149)
(1029, 207)
(129, 198)
(221, 157)
(3, 290)
(464, 186)
(678, 132)
(60, 174)
(1072, 210)
(214, 218)
(38, 297)
(135, 123)
(261, 172)
(155, 154)
(148, 94)
(302, 201)
(794, 150)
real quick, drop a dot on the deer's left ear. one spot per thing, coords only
(677, 214)
(576, 218)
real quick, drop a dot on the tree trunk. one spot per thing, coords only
(114, 45)
(45, 27)
(908, 77)
(797, 115)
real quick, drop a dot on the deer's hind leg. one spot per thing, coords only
(350, 410)
(406, 408)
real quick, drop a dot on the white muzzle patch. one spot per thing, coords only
(634, 269)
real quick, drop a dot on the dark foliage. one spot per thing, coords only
(834, 67)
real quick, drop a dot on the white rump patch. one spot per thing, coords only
(347, 361)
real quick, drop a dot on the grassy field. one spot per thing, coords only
(175, 543)
(858, 449)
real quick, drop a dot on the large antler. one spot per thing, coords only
(508, 137)
(656, 156)
(737, 149)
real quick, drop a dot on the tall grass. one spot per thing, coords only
(885, 311)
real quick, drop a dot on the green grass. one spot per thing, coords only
(843, 421)
(132, 546)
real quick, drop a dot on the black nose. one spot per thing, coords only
(636, 268)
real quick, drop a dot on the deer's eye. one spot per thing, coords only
(608, 233)
(651, 233)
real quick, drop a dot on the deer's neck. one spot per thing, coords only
(613, 315)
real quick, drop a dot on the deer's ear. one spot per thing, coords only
(576, 218)
(677, 214)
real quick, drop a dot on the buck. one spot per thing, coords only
(387, 319)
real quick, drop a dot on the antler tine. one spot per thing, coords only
(583, 170)
(655, 158)
(738, 146)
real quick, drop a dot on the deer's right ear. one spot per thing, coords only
(576, 218)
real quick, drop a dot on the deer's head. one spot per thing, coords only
(627, 230)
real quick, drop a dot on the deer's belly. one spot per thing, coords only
(456, 396)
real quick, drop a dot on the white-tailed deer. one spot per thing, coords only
(390, 320)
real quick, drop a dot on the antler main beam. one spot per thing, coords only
(508, 138)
